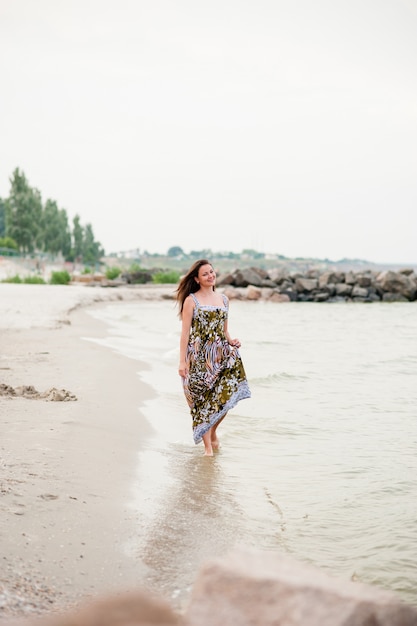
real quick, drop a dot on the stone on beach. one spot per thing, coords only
(256, 588)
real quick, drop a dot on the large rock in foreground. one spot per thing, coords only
(249, 588)
(269, 589)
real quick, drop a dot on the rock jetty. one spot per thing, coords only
(280, 285)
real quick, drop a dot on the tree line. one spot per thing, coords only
(31, 226)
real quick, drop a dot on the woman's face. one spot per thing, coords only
(206, 276)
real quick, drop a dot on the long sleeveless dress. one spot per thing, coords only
(216, 379)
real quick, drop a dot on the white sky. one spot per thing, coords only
(287, 126)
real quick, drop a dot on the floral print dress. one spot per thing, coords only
(216, 378)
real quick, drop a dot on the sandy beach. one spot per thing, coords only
(71, 428)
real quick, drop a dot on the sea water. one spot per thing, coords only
(320, 463)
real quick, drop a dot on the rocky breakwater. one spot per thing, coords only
(279, 285)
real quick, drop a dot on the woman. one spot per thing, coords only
(211, 368)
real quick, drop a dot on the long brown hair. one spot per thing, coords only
(188, 283)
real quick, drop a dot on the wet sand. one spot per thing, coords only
(70, 432)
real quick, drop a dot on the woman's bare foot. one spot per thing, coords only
(215, 444)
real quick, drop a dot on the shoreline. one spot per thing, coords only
(67, 468)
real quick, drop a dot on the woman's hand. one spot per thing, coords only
(183, 370)
(235, 342)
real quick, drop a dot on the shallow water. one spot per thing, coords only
(320, 463)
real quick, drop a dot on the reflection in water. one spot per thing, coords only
(197, 520)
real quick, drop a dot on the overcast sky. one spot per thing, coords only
(287, 126)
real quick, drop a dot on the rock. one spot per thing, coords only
(337, 299)
(394, 297)
(395, 282)
(266, 292)
(253, 293)
(340, 277)
(364, 280)
(359, 292)
(267, 282)
(290, 293)
(224, 279)
(343, 289)
(294, 275)
(285, 285)
(248, 588)
(279, 297)
(305, 285)
(328, 277)
(137, 278)
(262, 273)
(232, 293)
(350, 278)
(243, 278)
(374, 297)
(321, 296)
(278, 275)
(331, 288)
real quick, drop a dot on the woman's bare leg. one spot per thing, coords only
(215, 443)
(208, 448)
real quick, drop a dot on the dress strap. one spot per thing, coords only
(224, 300)
(195, 299)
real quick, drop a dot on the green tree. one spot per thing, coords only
(92, 250)
(2, 218)
(201, 254)
(77, 238)
(53, 236)
(23, 213)
(65, 234)
(8, 242)
(175, 251)
(44, 228)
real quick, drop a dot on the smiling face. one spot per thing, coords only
(206, 276)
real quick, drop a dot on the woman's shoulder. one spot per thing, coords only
(225, 299)
(190, 300)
